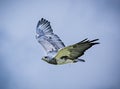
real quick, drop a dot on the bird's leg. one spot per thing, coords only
(81, 60)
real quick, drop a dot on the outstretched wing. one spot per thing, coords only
(45, 36)
(74, 51)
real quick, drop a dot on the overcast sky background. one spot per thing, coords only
(21, 66)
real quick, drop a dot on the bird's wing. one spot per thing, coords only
(45, 36)
(74, 51)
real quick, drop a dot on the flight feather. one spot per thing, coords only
(45, 36)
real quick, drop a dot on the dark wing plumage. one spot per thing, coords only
(74, 51)
(45, 36)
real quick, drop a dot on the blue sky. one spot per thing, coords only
(21, 66)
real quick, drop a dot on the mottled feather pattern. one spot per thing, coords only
(57, 53)
(76, 50)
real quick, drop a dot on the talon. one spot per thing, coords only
(82, 60)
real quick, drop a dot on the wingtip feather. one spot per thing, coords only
(94, 40)
(84, 40)
(43, 22)
(88, 41)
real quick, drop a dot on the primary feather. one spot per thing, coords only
(45, 36)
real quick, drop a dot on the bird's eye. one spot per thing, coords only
(45, 56)
(49, 37)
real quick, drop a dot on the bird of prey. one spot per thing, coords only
(57, 52)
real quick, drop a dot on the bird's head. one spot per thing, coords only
(46, 58)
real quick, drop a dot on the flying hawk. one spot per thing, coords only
(57, 52)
